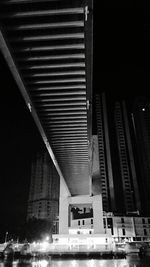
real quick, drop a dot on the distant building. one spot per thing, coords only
(43, 202)
(118, 176)
(119, 228)
(126, 159)
(105, 163)
(127, 228)
(141, 121)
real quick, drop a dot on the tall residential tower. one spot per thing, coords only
(44, 189)
(127, 167)
(118, 177)
(141, 121)
(106, 174)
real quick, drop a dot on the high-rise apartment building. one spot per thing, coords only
(106, 175)
(43, 202)
(117, 164)
(141, 121)
(126, 159)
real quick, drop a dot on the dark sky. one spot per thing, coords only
(18, 143)
(120, 53)
(120, 68)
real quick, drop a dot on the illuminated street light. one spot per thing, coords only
(6, 237)
(47, 238)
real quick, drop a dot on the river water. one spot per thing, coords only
(130, 261)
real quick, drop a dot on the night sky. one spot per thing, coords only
(120, 68)
(19, 142)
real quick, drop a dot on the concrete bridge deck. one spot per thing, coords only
(48, 47)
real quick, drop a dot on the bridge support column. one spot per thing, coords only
(63, 210)
(97, 214)
(66, 201)
(96, 204)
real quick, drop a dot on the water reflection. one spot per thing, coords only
(41, 263)
(133, 261)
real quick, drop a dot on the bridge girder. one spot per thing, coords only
(48, 48)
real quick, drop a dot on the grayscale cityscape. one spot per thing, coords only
(75, 134)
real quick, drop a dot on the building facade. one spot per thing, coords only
(126, 159)
(120, 229)
(141, 122)
(120, 192)
(127, 228)
(43, 202)
(106, 174)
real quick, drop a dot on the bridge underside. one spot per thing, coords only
(48, 47)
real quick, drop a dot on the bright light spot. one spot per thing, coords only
(84, 231)
(74, 263)
(33, 263)
(91, 263)
(143, 109)
(99, 240)
(90, 243)
(29, 106)
(122, 263)
(42, 263)
(15, 263)
(44, 245)
(103, 263)
(47, 238)
(73, 231)
(63, 241)
(59, 263)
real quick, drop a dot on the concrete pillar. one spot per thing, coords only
(97, 215)
(63, 210)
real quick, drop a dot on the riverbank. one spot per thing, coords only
(45, 249)
(27, 251)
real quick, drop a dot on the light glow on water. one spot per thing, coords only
(91, 263)
(15, 263)
(74, 263)
(59, 263)
(122, 263)
(130, 261)
(41, 263)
